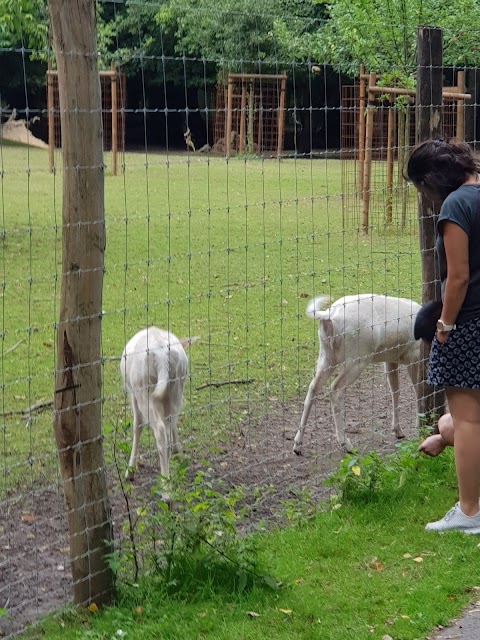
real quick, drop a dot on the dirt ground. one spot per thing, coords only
(34, 564)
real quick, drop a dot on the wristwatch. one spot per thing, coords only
(444, 328)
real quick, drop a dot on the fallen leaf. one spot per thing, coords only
(93, 607)
(138, 610)
(418, 559)
(387, 637)
(27, 517)
(298, 581)
(407, 555)
(286, 611)
(356, 470)
(377, 566)
(253, 614)
(202, 614)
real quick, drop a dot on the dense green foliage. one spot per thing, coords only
(23, 23)
(153, 37)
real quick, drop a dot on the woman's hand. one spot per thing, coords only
(442, 336)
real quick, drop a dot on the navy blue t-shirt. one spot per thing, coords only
(463, 208)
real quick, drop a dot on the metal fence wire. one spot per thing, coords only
(231, 187)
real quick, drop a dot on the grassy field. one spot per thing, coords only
(229, 251)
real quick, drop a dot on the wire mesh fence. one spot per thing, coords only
(234, 204)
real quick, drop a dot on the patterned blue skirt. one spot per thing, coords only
(456, 362)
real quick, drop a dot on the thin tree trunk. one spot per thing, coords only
(78, 383)
(429, 124)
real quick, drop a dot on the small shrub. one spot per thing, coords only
(369, 477)
(299, 509)
(195, 543)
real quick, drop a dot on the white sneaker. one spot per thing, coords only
(456, 520)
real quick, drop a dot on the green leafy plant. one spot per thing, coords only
(299, 509)
(194, 541)
(360, 476)
(370, 476)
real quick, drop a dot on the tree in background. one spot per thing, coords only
(24, 23)
(239, 34)
(381, 34)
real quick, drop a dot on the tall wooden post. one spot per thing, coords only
(78, 388)
(460, 128)
(390, 144)
(471, 107)
(367, 172)
(228, 128)
(243, 109)
(281, 115)
(361, 130)
(429, 124)
(51, 119)
(114, 119)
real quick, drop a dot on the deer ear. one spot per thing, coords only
(186, 342)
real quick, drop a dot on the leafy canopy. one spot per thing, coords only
(23, 23)
(382, 33)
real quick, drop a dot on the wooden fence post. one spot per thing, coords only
(367, 163)
(51, 119)
(228, 128)
(361, 130)
(78, 387)
(114, 89)
(429, 124)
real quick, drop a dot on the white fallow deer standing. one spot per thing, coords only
(353, 332)
(154, 367)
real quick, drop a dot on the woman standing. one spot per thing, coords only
(449, 173)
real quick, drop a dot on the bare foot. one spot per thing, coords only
(433, 445)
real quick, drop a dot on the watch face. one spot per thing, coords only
(439, 325)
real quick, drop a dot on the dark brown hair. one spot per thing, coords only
(441, 166)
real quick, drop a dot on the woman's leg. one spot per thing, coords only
(464, 406)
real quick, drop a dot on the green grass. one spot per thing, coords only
(361, 571)
(229, 251)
